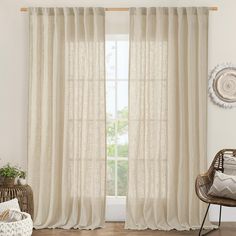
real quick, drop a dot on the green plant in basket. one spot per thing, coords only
(9, 173)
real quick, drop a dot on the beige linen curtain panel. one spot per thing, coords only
(167, 116)
(66, 137)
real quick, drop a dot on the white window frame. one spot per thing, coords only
(116, 205)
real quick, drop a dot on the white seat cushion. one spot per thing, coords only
(12, 204)
(223, 186)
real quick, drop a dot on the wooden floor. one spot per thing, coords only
(117, 229)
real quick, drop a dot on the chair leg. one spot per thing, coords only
(220, 215)
(200, 231)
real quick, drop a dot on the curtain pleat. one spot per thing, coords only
(66, 134)
(167, 116)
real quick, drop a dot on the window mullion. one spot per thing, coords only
(116, 122)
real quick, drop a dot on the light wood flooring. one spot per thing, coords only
(117, 229)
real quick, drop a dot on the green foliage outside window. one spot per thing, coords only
(122, 128)
(114, 132)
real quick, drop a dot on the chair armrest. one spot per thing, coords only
(202, 184)
(203, 179)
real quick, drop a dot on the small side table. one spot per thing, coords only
(24, 195)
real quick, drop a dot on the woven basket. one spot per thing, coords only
(8, 182)
(18, 228)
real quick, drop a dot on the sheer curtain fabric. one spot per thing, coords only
(167, 116)
(66, 136)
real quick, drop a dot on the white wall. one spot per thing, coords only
(14, 72)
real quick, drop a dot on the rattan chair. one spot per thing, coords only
(204, 182)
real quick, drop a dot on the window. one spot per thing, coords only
(117, 57)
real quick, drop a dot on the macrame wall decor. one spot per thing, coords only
(222, 85)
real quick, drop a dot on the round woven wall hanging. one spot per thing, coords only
(222, 85)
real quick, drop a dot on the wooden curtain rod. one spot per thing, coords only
(25, 9)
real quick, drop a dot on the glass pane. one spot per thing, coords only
(122, 170)
(110, 100)
(111, 138)
(122, 59)
(122, 143)
(122, 150)
(122, 99)
(110, 178)
(110, 59)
